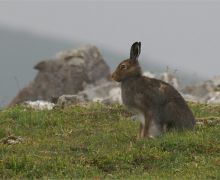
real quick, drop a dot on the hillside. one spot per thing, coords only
(97, 141)
(20, 51)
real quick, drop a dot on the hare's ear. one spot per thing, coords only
(135, 51)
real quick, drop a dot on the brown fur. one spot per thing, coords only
(160, 104)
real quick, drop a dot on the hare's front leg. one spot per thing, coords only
(150, 128)
(141, 118)
(141, 131)
(146, 127)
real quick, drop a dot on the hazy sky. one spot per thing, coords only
(183, 34)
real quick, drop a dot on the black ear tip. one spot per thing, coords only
(137, 43)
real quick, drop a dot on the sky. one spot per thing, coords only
(180, 34)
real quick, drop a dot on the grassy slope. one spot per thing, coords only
(100, 141)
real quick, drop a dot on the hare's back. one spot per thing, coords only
(146, 92)
(162, 90)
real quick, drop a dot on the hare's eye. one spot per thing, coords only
(123, 66)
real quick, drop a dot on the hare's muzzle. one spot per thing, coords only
(114, 76)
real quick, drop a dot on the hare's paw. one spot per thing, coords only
(154, 130)
(134, 117)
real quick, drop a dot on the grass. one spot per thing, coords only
(97, 141)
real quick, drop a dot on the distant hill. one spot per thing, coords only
(20, 51)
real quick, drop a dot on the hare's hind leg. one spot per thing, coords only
(178, 117)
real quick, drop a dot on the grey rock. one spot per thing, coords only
(204, 92)
(67, 73)
(199, 90)
(102, 91)
(70, 100)
(39, 105)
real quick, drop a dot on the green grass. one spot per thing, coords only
(96, 141)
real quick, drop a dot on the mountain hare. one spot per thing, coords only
(158, 105)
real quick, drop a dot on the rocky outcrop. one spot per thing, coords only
(106, 92)
(68, 72)
(204, 92)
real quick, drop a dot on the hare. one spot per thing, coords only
(158, 105)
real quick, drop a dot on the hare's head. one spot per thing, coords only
(129, 67)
